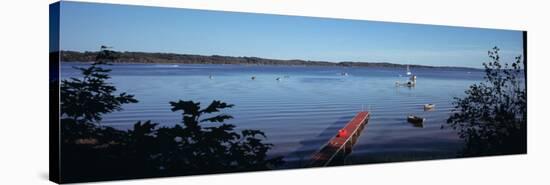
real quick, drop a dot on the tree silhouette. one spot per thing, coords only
(93, 152)
(194, 148)
(85, 99)
(492, 118)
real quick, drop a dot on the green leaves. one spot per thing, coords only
(491, 118)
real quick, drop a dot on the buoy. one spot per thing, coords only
(342, 133)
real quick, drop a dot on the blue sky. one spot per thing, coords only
(86, 26)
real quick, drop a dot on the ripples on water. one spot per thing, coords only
(303, 110)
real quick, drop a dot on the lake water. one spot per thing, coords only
(303, 110)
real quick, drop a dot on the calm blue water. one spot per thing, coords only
(302, 111)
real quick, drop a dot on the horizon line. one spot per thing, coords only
(269, 58)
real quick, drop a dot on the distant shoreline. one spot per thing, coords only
(171, 58)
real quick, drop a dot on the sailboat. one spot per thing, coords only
(408, 71)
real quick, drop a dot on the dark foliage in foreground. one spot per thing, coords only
(91, 152)
(85, 99)
(492, 118)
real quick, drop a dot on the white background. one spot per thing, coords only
(24, 91)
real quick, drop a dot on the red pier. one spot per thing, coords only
(341, 144)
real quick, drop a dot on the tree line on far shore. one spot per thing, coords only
(172, 58)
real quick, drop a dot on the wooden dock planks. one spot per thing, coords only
(341, 144)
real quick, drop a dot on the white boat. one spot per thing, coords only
(429, 106)
(408, 71)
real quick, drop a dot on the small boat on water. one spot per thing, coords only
(416, 121)
(344, 74)
(278, 78)
(253, 78)
(429, 106)
(211, 77)
(411, 82)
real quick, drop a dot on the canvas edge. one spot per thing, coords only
(54, 134)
